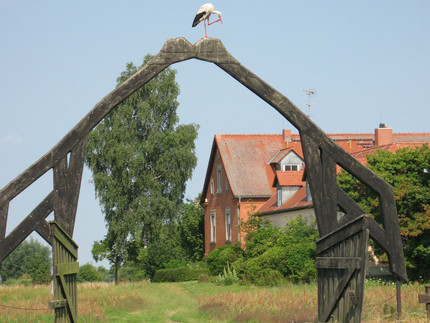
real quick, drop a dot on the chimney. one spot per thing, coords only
(383, 135)
(286, 133)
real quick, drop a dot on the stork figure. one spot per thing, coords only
(204, 13)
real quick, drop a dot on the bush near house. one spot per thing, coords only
(270, 255)
(221, 256)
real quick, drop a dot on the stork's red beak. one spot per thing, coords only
(220, 19)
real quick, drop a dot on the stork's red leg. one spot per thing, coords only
(211, 23)
(206, 35)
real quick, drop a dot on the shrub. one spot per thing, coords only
(268, 277)
(24, 280)
(299, 262)
(175, 263)
(228, 277)
(89, 273)
(203, 278)
(178, 274)
(218, 259)
(260, 235)
(131, 273)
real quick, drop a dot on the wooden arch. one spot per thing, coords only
(340, 271)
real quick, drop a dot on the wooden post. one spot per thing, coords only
(425, 299)
(399, 299)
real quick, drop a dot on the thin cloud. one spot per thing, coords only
(12, 139)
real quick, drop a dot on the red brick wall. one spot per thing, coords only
(218, 202)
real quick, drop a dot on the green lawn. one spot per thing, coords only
(200, 302)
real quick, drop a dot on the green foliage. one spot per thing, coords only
(178, 274)
(89, 273)
(408, 171)
(159, 254)
(273, 254)
(266, 277)
(218, 259)
(270, 254)
(228, 277)
(31, 259)
(191, 230)
(131, 273)
(24, 280)
(140, 159)
(260, 235)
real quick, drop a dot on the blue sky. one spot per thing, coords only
(367, 60)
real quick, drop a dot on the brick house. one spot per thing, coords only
(264, 173)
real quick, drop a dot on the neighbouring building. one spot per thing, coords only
(265, 174)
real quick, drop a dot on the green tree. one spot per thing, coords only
(408, 171)
(30, 258)
(191, 230)
(89, 273)
(161, 252)
(141, 160)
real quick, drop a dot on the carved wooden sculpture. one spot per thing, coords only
(343, 245)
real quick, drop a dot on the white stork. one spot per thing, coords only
(204, 13)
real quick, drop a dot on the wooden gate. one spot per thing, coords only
(66, 267)
(341, 263)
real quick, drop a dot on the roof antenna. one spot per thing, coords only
(309, 93)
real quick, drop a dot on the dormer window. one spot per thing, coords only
(291, 167)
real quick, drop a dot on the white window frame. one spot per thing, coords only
(289, 167)
(228, 224)
(279, 196)
(212, 186)
(219, 179)
(213, 226)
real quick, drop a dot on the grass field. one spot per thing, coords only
(201, 302)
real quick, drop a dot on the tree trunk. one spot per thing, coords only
(116, 274)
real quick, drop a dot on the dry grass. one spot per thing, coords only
(202, 302)
(286, 304)
(24, 304)
(380, 303)
(293, 304)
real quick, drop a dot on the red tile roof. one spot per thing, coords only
(298, 200)
(245, 159)
(290, 178)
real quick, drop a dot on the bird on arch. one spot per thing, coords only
(204, 13)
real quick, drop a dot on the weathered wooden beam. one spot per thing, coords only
(27, 226)
(342, 233)
(338, 262)
(4, 208)
(67, 183)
